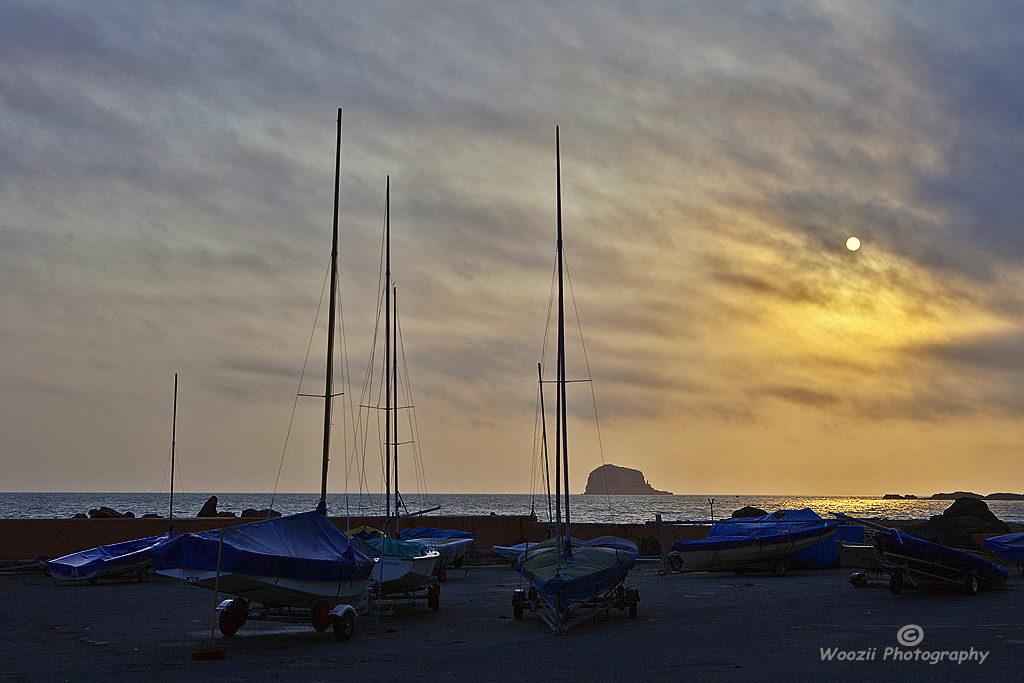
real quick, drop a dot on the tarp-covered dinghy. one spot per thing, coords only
(284, 560)
(452, 544)
(570, 582)
(756, 541)
(912, 561)
(131, 559)
(1010, 546)
(404, 568)
(301, 561)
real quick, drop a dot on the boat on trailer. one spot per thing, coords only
(915, 562)
(404, 570)
(127, 559)
(297, 564)
(453, 545)
(1008, 546)
(570, 582)
(767, 541)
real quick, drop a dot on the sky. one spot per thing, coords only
(166, 201)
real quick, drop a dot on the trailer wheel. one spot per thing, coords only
(457, 562)
(972, 585)
(233, 616)
(859, 579)
(896, 583)
(434, 597)
(344, 626)
(442, 574)
(780, 566)
(675, 562)
(143, 575)
(320, 616)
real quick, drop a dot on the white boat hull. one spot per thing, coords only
(746, 555)
(391, 573)
(271, 590)
(451, 549)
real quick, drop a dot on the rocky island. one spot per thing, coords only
(615, 480)
(967, 494)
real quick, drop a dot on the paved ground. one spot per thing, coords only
(702, 626)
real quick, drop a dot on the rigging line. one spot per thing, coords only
(295, 403)
(414, 429)
(544, 439)
(535, 456)
(593, 393)
(346, 382)
(365, 398)
(552, 293)
(167, 464)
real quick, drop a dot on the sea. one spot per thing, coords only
(583, 508)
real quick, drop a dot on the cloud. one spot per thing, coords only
(166, 182)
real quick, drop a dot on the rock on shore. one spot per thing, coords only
(748, 511)
(615, 480)
(955, 526)
(209, 509)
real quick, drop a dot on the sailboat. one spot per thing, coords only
(401, 567)
(570, 582)
(297, 561)
(128, 559)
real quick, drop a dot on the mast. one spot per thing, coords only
(394, 398)
(387, 356)
(329, 384)
(561, 349)
(174, 428)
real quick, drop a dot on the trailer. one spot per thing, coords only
(914, 562)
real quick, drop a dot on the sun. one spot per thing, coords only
(853, 244)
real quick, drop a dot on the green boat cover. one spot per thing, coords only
(375, 544)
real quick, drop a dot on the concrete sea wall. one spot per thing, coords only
(25, 539)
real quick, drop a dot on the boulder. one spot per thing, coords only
(81, 515)
(956, 525)
(615, 480)
(209, 508)
(103, 512)
(749, 511)
(262, 514)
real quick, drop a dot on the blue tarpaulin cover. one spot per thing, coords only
(303, 546)
(918, 556)
(453, 540)
(106, 560)
(779, 527)
(593, 566)
(1010, 546)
